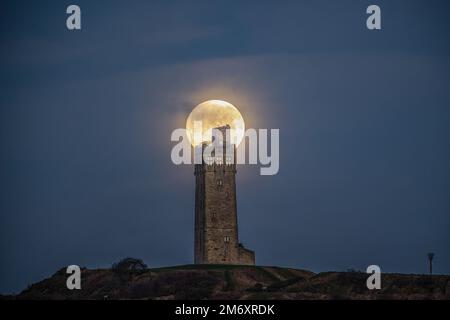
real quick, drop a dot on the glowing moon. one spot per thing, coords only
(214, 114)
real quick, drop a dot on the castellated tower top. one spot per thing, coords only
(219, 152)
(223, 130)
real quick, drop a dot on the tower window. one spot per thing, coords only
(226, 239)
(219, 182)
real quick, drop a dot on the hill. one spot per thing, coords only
(236, 282)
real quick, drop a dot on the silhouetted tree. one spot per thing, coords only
(430, 260)
(128, 266)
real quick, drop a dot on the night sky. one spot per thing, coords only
(86, 116)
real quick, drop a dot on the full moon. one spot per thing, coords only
(214, 114)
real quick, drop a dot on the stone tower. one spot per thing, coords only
(216, 231)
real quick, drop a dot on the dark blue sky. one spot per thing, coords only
(86, 118)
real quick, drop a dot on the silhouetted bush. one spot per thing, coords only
(128, 266)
